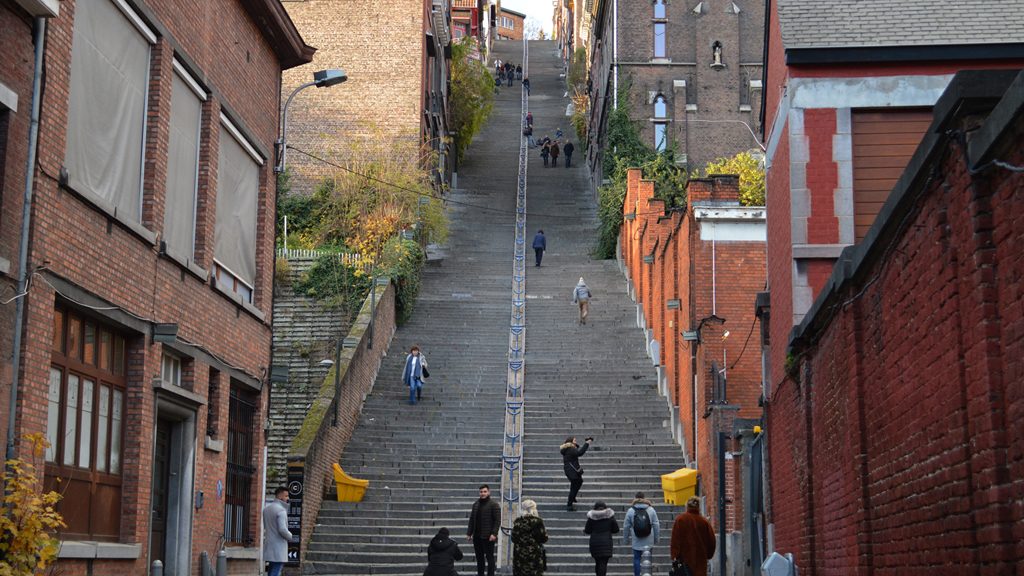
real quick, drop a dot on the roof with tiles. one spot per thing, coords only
(871, 23)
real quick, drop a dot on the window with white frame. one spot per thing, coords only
(183, 163)
(170, 370)
(238, 189)
(103, 154)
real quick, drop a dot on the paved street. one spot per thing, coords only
(425, 462)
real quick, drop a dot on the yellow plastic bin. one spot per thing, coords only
(349, 489)
(679, 486)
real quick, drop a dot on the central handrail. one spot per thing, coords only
(512, 445)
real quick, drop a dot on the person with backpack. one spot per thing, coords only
(581, 295)
(640, 529)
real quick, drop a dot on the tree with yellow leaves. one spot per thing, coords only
(749, 166)
(30, 519)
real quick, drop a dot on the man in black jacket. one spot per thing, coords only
(484, 522)
(571, 452)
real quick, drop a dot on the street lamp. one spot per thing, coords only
(321, 79)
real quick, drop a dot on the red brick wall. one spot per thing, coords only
(89, 250)
(897, 449)
(682, 269)
(16, 74)
(361, 367)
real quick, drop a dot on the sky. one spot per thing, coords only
(538, 9)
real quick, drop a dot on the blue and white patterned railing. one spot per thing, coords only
(512, 447)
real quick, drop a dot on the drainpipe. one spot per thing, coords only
(615, 54)
(38, 35)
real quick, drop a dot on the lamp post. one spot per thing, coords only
(321, 79)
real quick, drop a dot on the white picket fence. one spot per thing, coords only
(349, 258)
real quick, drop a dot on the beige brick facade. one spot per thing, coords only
(382, 47)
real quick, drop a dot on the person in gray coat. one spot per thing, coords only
(642, 534)
(275, 529)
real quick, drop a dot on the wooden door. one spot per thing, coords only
(884, 140)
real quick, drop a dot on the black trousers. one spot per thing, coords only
(601, 566)
(540, 254)
(484, 550)
(568, 160)
(574, 489)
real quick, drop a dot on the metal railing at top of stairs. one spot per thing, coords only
(512, 445)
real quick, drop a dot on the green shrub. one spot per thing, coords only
(335, 284)
(403, 261)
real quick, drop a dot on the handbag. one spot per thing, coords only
(679, 568)
(425, 373)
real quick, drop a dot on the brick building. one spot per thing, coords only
(694, 274)
(511, 24)
(849, 98)
(694, 72)
(472, 18)
(397, 56)
(146, 337)
(894, 433)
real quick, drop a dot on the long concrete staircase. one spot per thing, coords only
(304, 334)
(425, 462)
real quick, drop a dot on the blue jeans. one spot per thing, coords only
(275, 568)
(416, 385)
(637, 556)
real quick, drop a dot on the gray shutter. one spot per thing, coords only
(107, 107)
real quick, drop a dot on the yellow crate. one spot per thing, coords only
(349, 489)
(679, 486)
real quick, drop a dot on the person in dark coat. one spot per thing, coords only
(568, 149)
(545, 151)
(529, 536)
(526, 84)
(484, 523)
(571, 453)
(554, 153)
(540, 244)
(693, 539)
(442, 554)
(601, 525)
(519, 71)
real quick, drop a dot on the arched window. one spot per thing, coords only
(660, 107)
(660, 123)
(659, 8)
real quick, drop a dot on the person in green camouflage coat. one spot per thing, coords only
(529, 536)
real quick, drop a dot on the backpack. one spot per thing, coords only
(641, 522)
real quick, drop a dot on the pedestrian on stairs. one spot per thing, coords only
(581, 295)
(442, 554)
(571, 452)
(693, 539)
(568, 149)
(554, 153)
(484, 522)
(414, 373)
(640, 528)
(601, 525)
(276, 534)
(529, 535)
(540, 244)
(545, 150)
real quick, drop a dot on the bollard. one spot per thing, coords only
(204, 564)
(646, 567)
(222, 563)
(157, 569)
